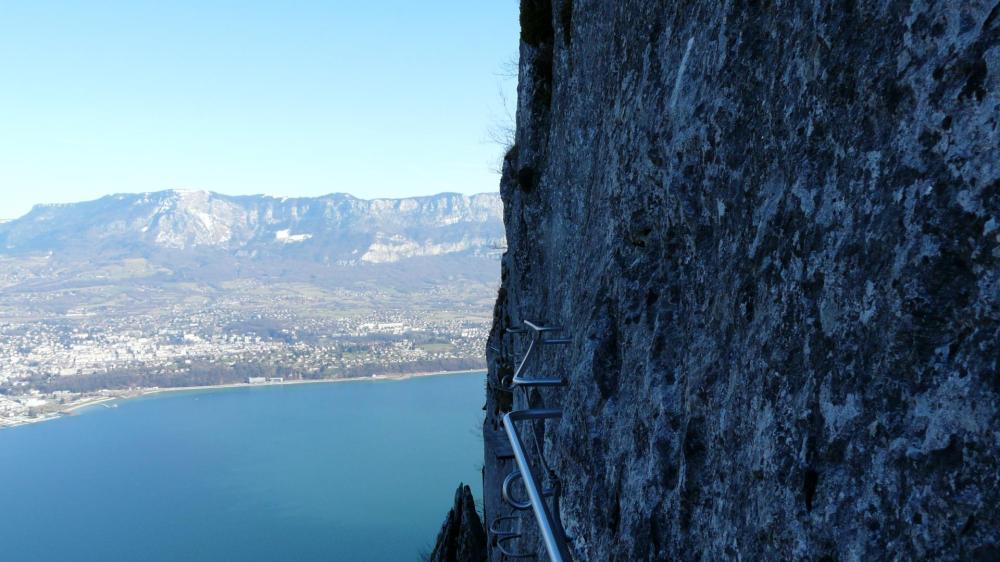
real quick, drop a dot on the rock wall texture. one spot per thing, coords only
(462, 538)
(772, 230)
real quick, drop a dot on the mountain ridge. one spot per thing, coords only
(334, 228)
(282, 198)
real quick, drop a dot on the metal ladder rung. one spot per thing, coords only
(538, 328)
(501, 533)
(550, 529)
(526, 381)
(511, 500)
(533, 414)
(503, 536)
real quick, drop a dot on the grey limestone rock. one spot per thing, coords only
(772, 230)
(462, 538)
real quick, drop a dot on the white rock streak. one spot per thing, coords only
(680, 74)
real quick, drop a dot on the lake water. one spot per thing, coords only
(349, 471)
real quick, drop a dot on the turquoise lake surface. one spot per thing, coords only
(351, 471)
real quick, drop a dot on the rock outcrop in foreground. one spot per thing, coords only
(772, 230)
(462, 538)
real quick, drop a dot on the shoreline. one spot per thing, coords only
(91, 401)
(401, 377)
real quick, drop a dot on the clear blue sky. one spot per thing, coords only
(378, 99)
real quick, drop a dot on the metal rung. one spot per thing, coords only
(503, 536)
(532, 347)
(507, 497)
(536, 339)
(501, 533)
(525, 381)
(532, 414)
(549, 527)
(557, 341)
(538, 328)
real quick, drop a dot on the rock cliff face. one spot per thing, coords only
(772, 230)
(462, 538)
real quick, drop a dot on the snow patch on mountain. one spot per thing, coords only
(286, 237)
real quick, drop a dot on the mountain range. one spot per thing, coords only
(333, 241)
(336, 228)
